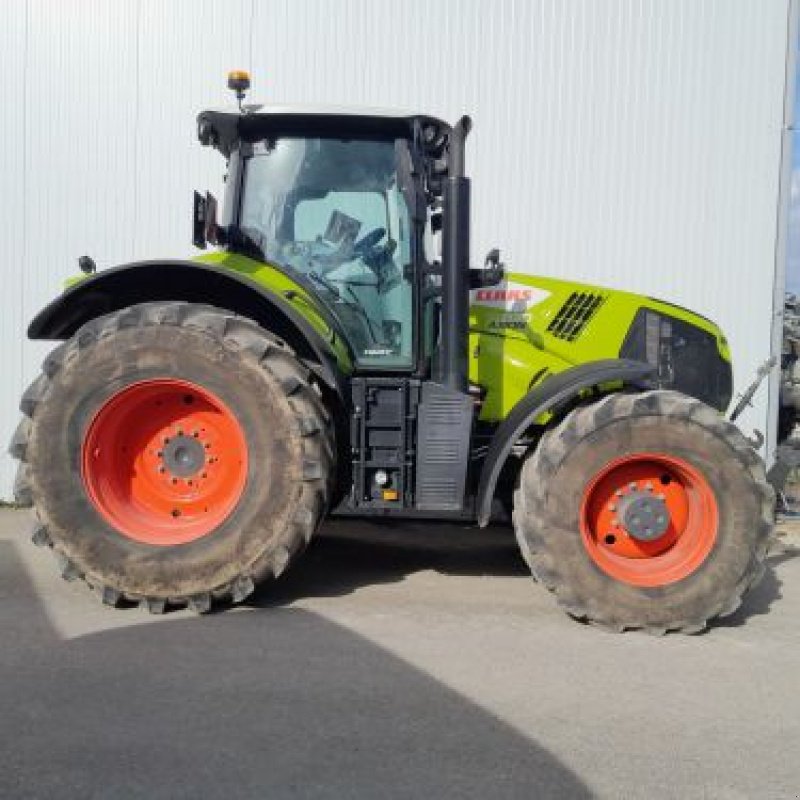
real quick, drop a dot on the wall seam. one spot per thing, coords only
(782, 228)
(137, 101)
(24, 255)
(250, 37)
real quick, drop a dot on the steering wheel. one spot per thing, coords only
(368, 242)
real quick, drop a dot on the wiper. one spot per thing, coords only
(248, 237)
(357, 305)
(305, 280)
(333, 289)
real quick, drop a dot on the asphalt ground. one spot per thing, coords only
(413, 661)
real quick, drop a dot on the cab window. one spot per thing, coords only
(331, 211)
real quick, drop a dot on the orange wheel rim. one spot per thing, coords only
(649, 519)
(164, 462)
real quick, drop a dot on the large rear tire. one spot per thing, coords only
(174, 454)
(645, 511)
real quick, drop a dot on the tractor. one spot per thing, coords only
(334, 353)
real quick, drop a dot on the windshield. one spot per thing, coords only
(331, 211)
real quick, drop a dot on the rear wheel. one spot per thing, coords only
(174, 454)
(645, 511)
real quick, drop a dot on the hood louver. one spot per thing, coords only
(575, 314)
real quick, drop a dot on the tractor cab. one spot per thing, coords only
(345, 204)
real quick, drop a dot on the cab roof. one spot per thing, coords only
(222, 128)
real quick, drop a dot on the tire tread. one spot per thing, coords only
(554, 446)
(238, 334)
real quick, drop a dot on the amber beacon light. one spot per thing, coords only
(239, 82)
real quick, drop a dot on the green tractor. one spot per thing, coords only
(336, 354)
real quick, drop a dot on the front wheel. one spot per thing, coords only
(645, 511)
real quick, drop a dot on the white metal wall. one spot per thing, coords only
(634, 143)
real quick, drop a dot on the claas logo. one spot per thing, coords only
(504, 295)
(510, 296)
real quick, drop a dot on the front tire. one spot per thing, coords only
(645, 511)
(175, 454)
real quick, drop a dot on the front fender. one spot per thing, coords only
(548, 397)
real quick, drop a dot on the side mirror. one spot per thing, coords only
(204, 220)
(86, 265)
(492, 260)
(492, 274)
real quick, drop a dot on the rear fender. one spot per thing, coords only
(193, 282)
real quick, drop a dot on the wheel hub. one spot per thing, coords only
(644, 516)
(164, 461)
(648, 519)
(183, 456)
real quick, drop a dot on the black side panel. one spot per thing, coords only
(551, 394)
(445, 428)
(410, 447)
(382, 439)
(686, 357)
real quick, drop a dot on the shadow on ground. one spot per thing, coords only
(272, 703)
(761, 598)
(349, 554)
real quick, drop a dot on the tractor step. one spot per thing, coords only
(410, 443)
(445, 427)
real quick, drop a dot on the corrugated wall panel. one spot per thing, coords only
(634, 143)
(12, 192)
(79, 114)
(185, 50)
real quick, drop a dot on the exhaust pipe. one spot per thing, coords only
(453, 365)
